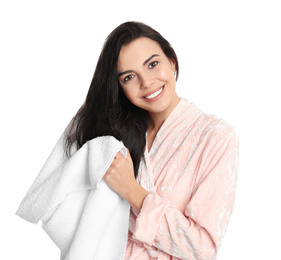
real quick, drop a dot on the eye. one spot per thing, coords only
(152, 64)
(129, 77)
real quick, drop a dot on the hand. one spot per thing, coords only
(120, 178)
(120, 174)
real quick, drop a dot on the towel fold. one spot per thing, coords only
(82, 215)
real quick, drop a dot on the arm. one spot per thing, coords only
(196, 233)
(120, 178)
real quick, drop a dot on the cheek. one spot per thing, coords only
(129, 93)
(166, 73)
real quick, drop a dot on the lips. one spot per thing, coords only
(154, 94)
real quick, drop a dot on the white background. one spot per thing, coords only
(230, 65)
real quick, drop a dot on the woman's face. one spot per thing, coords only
(147, 77)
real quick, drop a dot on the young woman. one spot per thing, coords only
(181, 176)
(180, 173)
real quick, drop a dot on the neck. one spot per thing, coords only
(156, 122)
(157, 119)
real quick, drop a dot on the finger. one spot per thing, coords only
(118, 156)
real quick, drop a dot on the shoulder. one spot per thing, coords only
(216, 141)
(210, 124)
(191, 127)
(205, 127)
(217, 137)
(216, 126)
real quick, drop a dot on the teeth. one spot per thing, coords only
(154, 94)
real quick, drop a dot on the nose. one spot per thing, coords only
(146, 81)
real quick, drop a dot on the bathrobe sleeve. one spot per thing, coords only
(197, 232)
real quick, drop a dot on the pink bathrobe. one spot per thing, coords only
(190, 173)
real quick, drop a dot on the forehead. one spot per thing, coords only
(136, 52)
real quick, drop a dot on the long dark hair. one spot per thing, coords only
(106, 110)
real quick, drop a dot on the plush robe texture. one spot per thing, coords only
(81, 214)
(191, 175)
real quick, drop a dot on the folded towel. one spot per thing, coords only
(82, 215)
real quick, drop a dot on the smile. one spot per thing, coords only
(155, 94)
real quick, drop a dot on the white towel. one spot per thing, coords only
(82, 215)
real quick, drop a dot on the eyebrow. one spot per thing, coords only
(150, 58)
(145, 62)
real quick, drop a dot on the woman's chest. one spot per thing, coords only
(172, 176)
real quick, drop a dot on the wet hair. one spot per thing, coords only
(106, 110)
